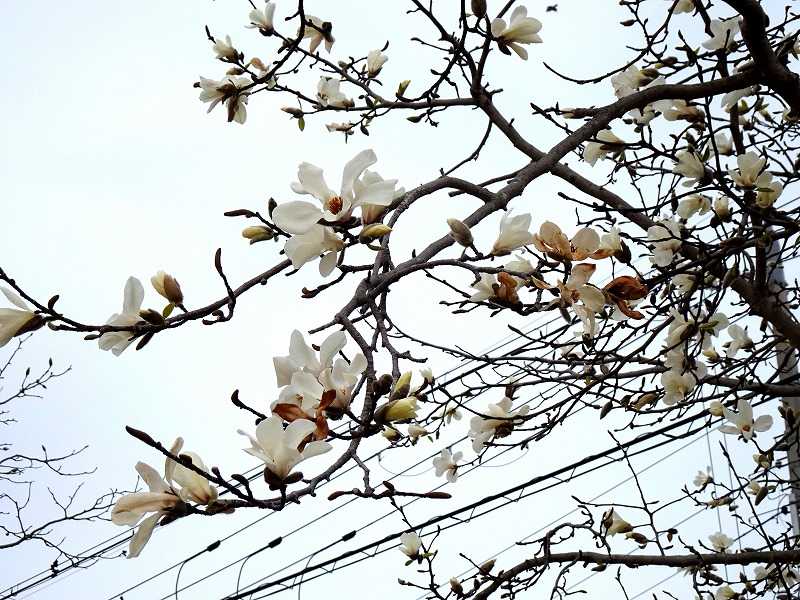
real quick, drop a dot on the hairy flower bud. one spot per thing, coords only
(401, 386)
(373, 232)
(257, 233)
(152, 316)
(401, 89)
(460, 232)
(478, 8)
(397, 410)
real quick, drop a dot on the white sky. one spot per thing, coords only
(110, 167)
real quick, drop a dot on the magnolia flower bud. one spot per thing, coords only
(152, 316)
(427, 375)
(295, 112)
(401, 386)
(258, 64)
(373, 232)
(401, 89)
(715, 408)
(479, 10)
(391, 434)
(397, 410)
(168, 287)
(460, 232)
(486, 567)
(257, 233)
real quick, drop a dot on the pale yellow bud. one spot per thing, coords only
(460, 232)
(401, 386)
(257, 233)
(373, 232)
(168, 287)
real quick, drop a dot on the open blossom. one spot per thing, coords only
(317, 241)
(732, 99)
(416, 431)
(722, 34)
(723, 143)
(615, 524)
(552, 241)
(610, 244)
(605, 142)
(676, 386)
(514, 233)
(279, 448)
(410, 544)
(224, 49)
(181, 485)
(689, 166)
(679, 110)
(750, 166)
(317, 31)
(447, 464)
(739, 340)
(720, 542)
(692, 205)
(521, 29)
(499, 421)
(767, 190)
(631, 79)
(328, 93)
(742, 422)
(484, 287)
(117, 341)
(229, 90)
(375, 61)
(449, 412)
(666, 239)
(16, 321)
(262, 19)
(701, 479)
(298, 217)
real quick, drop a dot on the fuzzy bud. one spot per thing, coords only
(460, 232)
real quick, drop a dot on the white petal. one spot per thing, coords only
(354, 168)
(328, 263)
(296, 217)
(14, 298)
(330, 348)
(313, 182)
(142, 535)
(134, 295)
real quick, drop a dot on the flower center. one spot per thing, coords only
(745, 427)
(334, 205)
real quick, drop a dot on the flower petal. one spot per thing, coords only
(296, 217)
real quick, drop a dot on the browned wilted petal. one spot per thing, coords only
(626, 287)
(628, 311)
(289, 412)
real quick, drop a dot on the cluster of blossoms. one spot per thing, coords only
(360, 189)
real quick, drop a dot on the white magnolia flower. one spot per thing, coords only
(642, 116)
(278, 447)
(416, 431)
(375, 61)
(117, 341)
(689, 166)
(520, 30)
(410, 544)
(720, 542)
(767, 190)
(262, 19)
(628, 81)
(750, 166)
(606, 142)
(328, 93)
(610, 244)
(679, 110)
(447, 464)
(303, 357)
(676, 386)
(701, 479)
(14, 320)
(722, 208)
(520, 264)
(683, 6)
(317, 34)
(348, 126)
(514, 233)
(449, 412)
(499, 421)
(298, 217)
(695, 204)
(684, 282)
(739, 340)
(317, 241)
(615, 524)
(181, 484)
(722, 34)
(484, 286)
(224, 49)
(742, 421)
(229, 90)
(666, 239)
(551, 240)
(732, 99)
(723, 143)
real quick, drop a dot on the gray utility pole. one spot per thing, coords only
(787, 363)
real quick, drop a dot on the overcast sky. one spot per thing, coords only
(110, 167)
